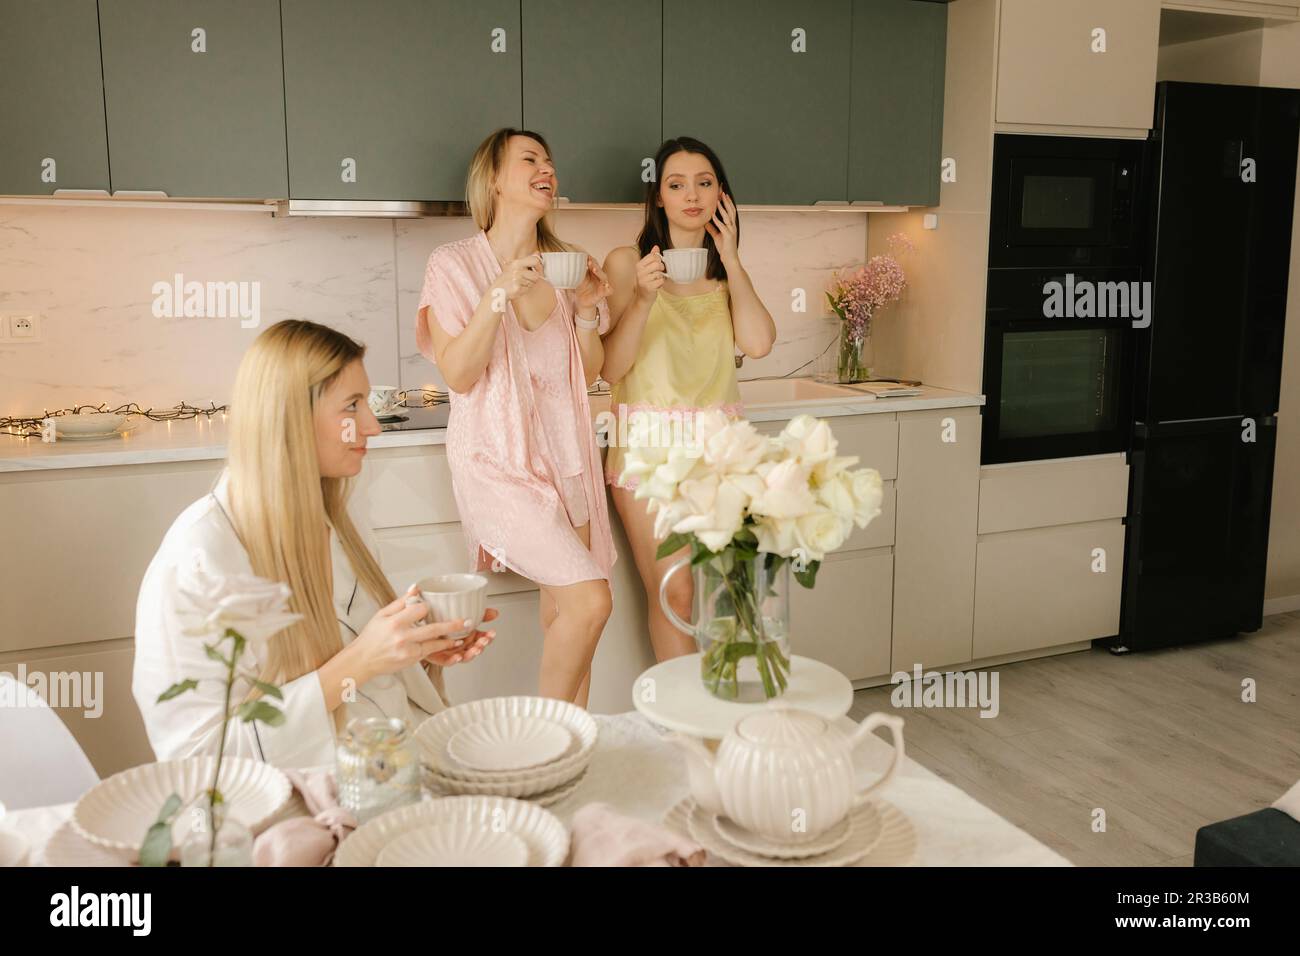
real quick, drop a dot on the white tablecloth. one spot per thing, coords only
(642, 775)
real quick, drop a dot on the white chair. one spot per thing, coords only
(41, 763)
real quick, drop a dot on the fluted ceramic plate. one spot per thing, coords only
(116, 813)
(436, 732)
(866, 830)
(831, 839)
(67, 847)
(444, 786)
(509, 743)
(896, 846)
(541, 830)
(455, 844)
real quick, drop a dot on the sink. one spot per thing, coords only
(786, 391)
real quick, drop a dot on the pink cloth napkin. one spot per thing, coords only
(602, 837)
(311, 840)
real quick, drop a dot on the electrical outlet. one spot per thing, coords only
(24, 328)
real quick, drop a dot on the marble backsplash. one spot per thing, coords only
(90, 274)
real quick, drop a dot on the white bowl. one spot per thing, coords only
(547, 839)
(564, 270)
(436, 732)
(686, 265)
(14, 850)
(116, 813)
(509, 743)
(92, 423)
(455, 844)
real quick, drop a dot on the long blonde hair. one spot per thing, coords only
(281, 506)
(480, 186)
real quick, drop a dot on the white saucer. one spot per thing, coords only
(509, 742)
(738, 836)
(865, 832)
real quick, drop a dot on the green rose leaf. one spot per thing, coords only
(261, 710)
(270, 690)
(177, 689)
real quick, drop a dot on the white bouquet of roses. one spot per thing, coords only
(731, 493)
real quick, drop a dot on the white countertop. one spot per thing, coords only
(203, 439)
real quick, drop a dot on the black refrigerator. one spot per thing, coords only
(1221, 162)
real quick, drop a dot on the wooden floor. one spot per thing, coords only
(1161, 741)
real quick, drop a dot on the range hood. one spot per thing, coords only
(372, 208)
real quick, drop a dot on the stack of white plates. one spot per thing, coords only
(532, 748)
(459, 831)
(114, 815)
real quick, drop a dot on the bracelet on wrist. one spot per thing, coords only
(586, 324)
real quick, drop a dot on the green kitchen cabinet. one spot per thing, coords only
(765, 83)
(195, 98)
(51, 98)
(592, 85)
(896, 116)
(388, 99)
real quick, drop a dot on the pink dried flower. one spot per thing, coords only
(856, 298)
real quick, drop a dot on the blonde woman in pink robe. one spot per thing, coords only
(518, 356)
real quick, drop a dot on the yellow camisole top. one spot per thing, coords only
(685, 363)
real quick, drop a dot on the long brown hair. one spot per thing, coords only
(480, 186)
(654, 232)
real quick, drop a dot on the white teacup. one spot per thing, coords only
(686, 265)
(455, 597)
(564, 270)
(381, 399)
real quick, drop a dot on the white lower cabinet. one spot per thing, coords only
(1042, 587)
(845, 621)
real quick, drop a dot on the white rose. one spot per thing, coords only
(867, 493)
(821, 532)
(786, 493)
(776, 535)
(718, 511)
(809, 439)
(737, 448)
(837, 494)
(253, 606)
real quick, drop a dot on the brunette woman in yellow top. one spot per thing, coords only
(671, 347)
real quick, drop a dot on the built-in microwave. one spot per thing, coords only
(1065, 201)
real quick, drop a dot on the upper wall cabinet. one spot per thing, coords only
(765, 83)
(1087, 64)
(51, 98)
(896, 126)
(195, 98)
(1270, 9)
(388, 99)
(592, 86)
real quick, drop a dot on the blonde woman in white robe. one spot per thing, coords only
(298, 432)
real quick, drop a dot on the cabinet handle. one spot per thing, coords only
(561, 200)
(831, 202)
(140, 194)
(867, 202)
(80, 193)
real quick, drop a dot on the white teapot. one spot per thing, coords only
(783, 773)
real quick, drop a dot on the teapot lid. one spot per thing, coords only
(781, 725)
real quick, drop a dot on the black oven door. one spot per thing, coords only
(1055, 388)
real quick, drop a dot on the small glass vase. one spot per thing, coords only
(851, 365)
(232, 847)
(377, 767)
(742, 624)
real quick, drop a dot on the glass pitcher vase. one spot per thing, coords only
(742, 623)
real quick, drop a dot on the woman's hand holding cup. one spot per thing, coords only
(650, 275)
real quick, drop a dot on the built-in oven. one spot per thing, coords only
(1058, 363)
(1065, 200)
